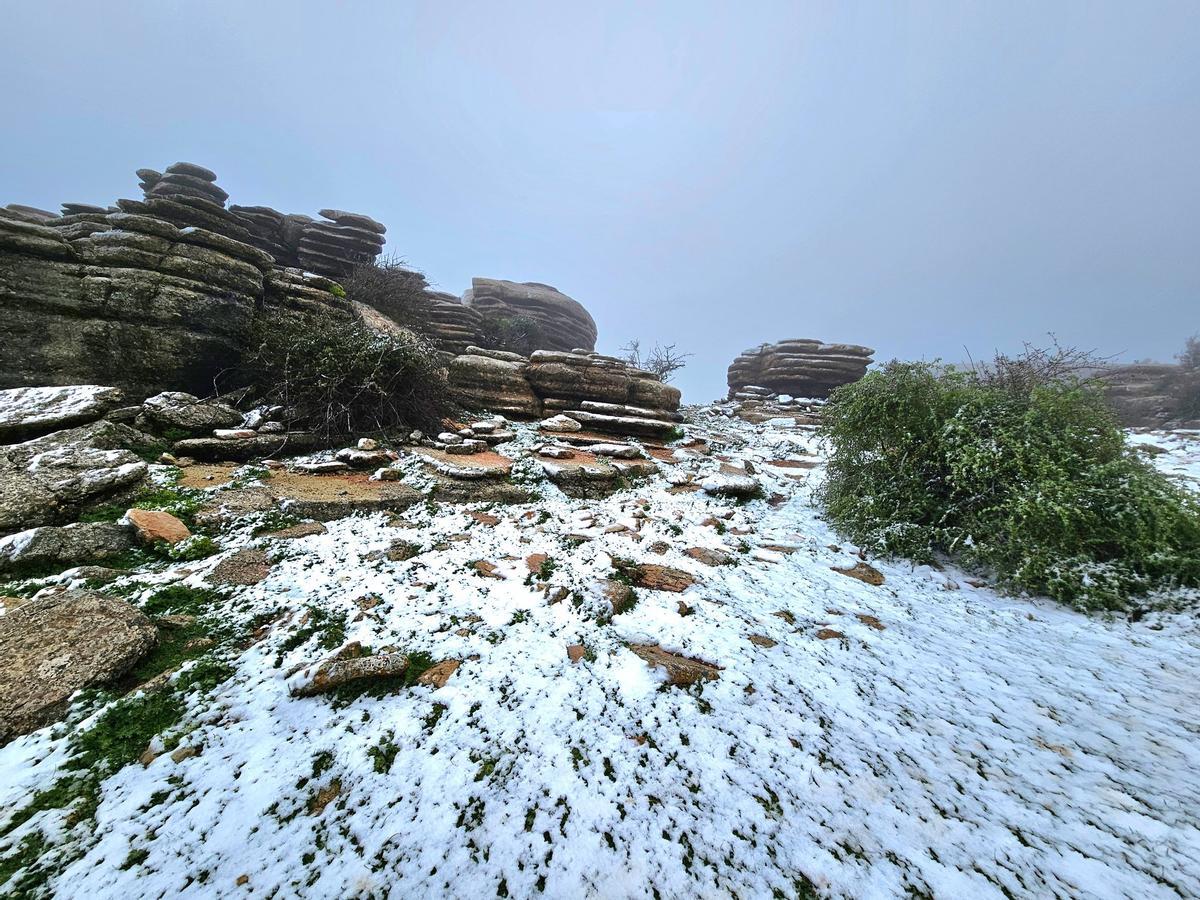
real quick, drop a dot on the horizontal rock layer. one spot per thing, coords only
(563, 323)
(801, 367)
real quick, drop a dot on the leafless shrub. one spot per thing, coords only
(338, 378)
(1037, 366)
(391, 287)
(663, 361)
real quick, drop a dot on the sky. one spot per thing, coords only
(928, 179)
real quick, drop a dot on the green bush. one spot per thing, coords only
(513, 334)
(1027, 479)
(339, 377)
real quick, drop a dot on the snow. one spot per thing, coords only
(977, 745)
(31, 406)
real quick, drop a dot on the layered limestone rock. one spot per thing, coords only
(453, 326)
(599, 392)
(494, 380)
(562, 323)
(153, 294)
(335, 247)
(801, 367)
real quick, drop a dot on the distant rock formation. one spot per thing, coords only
(799, 367)
(563, 323)
(1149, 395)
(600, 392)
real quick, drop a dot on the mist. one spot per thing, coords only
(928, 179)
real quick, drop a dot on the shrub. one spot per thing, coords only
(339, 377)
(514, 334)
(389, 286)
(1026, 478)
(663, 361)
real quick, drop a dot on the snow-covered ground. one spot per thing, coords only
(924, 737)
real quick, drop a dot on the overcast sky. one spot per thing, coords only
(916, 177)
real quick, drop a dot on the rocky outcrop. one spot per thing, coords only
(27, 412)
(598, 392)
(494, 380)
(54, 646)
(562, 323)
(161, 293)
(59, 547)
(49, 484)
(801, 368)
(1150, 395)
(452, 325)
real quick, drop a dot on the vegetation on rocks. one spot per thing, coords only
(389, 286)
(340, 378)
(512, 334)
(1018, 469)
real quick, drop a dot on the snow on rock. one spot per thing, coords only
(781, 728)
(26, 412)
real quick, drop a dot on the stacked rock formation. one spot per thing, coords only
(563, 323)
(152, 294)
(600, 392)
(453, 326)
(335, 247)
(801, 367)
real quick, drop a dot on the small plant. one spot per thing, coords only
(513, 334)
(663, 361)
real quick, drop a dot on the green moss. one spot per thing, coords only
(338, 291)
(182, 598)
(124, 730)
(275, 520)
(384, 754)
(27, 859)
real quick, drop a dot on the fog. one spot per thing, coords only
(929, 179)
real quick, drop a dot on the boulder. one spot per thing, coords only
(54, 646)
(52, 485)
(27, 412)
(60, 547)
(154, 525)
(187, 412)
(563, 323)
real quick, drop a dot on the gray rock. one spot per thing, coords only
(60, 547)
(51, 486)
(27, 412)
(175, 409)
(54, 646)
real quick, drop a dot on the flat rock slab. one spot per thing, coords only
(681, 670)
(246, 567)
(215, 449)
(60, 547)
(52, 647)
(470, 468)
(27, 412)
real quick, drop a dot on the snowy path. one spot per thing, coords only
(957, 744)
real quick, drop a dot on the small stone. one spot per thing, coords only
(863, 572)
(486, 569)
(387, 475)
(187, 751)
(535, 561)
(828, 634)
(323, 468)
(438, 674)
(708, 556)
(449, 437)
(560, 423)
(761, 640)
(557, 452)
(367, 444)
(233, 434)
(154, 525)
(575, 652)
